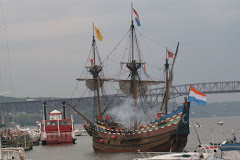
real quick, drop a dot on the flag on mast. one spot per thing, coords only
(170, 54)
(136, 17)
(196, 96)
(98, 33)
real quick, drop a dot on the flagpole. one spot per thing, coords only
(166, 52)
(93, 30)
(131, 12)
(94, 58)
(189, 91)
(167, 89)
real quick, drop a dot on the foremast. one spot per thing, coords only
(95, 70)
(95, 83)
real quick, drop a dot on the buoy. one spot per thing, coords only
(101, 141)
(113, 137)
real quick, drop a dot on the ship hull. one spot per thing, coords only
(162, 135)
(161, 143)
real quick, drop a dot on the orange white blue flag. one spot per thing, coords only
(136, 17)
(196, 96)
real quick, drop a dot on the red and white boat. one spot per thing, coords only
(56, 130)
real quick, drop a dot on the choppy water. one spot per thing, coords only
(83, 149)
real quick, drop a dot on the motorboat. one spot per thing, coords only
(230, 150)
(197, 125)
(34, 134)
(16, 153)
(79, 132)
(220, 122)
(208, 152)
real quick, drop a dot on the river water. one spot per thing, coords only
(82, 150)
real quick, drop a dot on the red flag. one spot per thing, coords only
(170, 54)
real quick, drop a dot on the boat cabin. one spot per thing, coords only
(55, 115)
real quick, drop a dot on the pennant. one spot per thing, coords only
(98, 34)
(136, 17)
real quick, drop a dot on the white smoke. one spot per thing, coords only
(125, 113)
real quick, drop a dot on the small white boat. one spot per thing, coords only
(17, 153)
(197, 125)
(22, 128)
(34, 134)
(79, 132)
(220, 122)
(208, 154)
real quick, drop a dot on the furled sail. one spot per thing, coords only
(126, 86)
(92, 85)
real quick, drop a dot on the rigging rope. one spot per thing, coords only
(115, 48)
(160, 44)
(80, 98)
(8, 51)
(82, 72)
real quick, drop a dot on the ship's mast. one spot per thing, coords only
(167, 89)
(95, 69)
(134, 72)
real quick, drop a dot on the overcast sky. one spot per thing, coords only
(49, 41)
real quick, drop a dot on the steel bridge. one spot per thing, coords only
(35, 106)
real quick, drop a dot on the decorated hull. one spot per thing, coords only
(168, 133)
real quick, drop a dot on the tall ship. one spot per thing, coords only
(57, 129)
(166, 131)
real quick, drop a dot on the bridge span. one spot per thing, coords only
(35, 106)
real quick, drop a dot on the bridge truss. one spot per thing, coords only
(176, 91)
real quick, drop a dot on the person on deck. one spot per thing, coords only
(107, 119)
(159, 115)
(234, 139)
(200, 151)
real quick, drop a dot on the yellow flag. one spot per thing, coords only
(98, 33)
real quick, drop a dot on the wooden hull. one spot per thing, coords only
(162, 135)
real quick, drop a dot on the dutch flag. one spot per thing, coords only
(137, 17)
(196, 96)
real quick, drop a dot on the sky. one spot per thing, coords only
(49, 41)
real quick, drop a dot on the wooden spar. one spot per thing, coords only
(118, 80)
(98, 98)
(93, 45)
(80, 114)
(166, 92)
(132, 26)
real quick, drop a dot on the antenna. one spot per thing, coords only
(196, 133)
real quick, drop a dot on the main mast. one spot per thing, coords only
(133, 67)
(134, 76)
